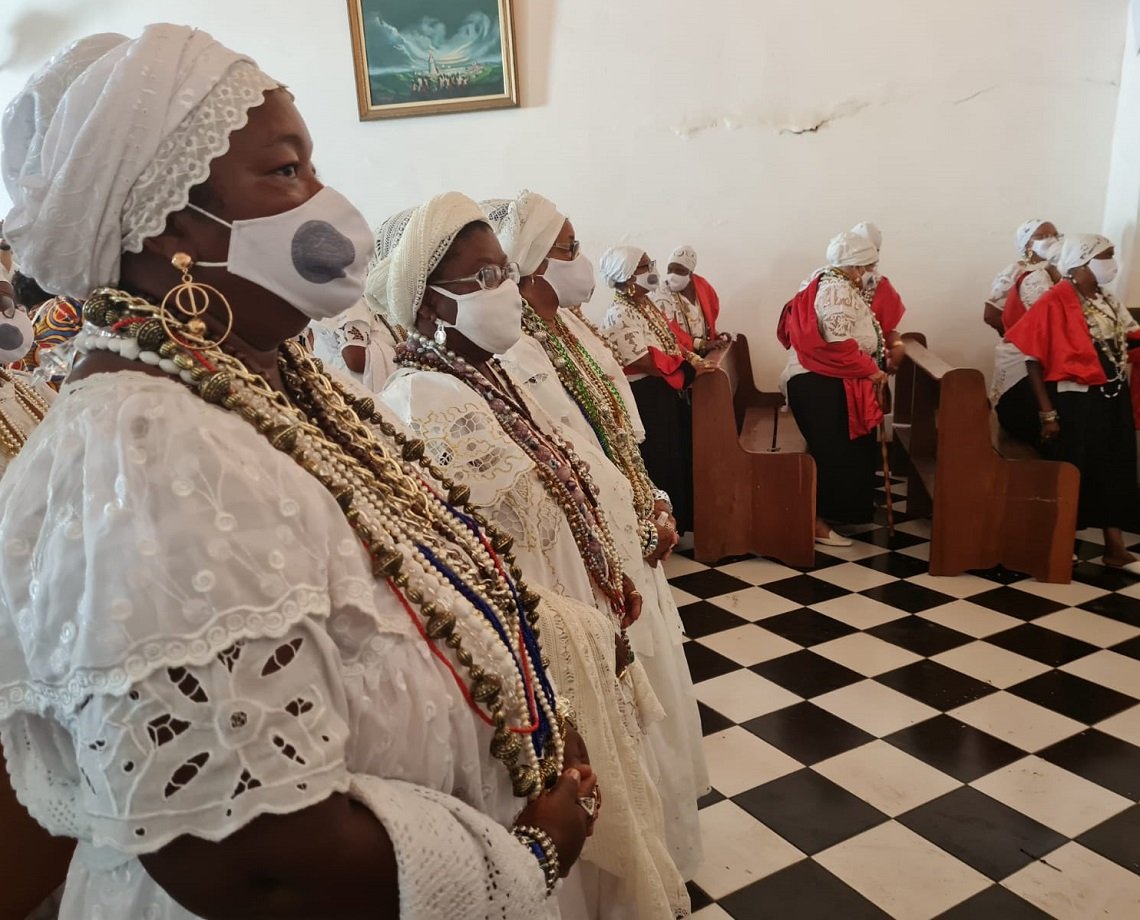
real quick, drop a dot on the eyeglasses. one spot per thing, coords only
(490, 277)
(574, 248)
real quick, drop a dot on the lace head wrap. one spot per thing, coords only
(106, 141)
(1025, 233)
(409, 246)
(869, 232)
(1081, 249)
(684, 255)
(526, 226)
(618, 264)
(849, 250)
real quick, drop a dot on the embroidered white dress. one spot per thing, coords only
(357, 326)
(191, 636)
(843, 313)
(684, 312)
(1009, 362)
(675, 742)
(637, 877)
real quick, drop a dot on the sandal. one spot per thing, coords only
(834, 539)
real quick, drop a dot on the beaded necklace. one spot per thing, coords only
(12, 436)
(880, 353)
(1115, 349)
(655, 320)
(565, 477)
(597, 397)
(601, 336)
(431, 550)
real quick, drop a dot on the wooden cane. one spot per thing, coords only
(886, 467)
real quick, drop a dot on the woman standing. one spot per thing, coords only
(690, 302)
(279, 671)
(356, 344)
(1079, 340)
(1020, 283)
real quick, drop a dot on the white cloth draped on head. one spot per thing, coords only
(1025, 233)
(849, 250)
(409, 246)
(106, 141)
(869, 232)
(1081, 249)
(526, 226)
(618, 264)
(684, 255)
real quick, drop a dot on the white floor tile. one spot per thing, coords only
(859, 549)
(754, 603)
(1074, 593)
(858, 611)
(739, 761)
(683, 598)
(1130, 590)
(678, 565)
(1088, 627)
(917, 528)
(739, 850)
(919, 551)
(954, 585)
(758, 571)
(1109, 669)
(1124, 725)
(971, 619)
(1074, 883)
(882, 775)
(744, 695)
(1060, 800)
(866, 654)
(712, 912)
(992, 664)
(1020, 722)
(875, 708)
(903, 873)
(853, 577)
(749, 645)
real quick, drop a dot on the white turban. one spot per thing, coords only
(850, 250)
(684, 255)
(106, 141)
(618, 264)
(1081, 249)
(409, 247)
(1025, 233)
(526, 226)
(869, 232)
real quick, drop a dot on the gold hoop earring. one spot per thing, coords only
(192, 299)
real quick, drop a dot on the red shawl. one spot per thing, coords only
(709, 302)
(799, 329)
(887, 306)
(1015, 307)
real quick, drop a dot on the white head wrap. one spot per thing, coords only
(1081, 249)
(684, 255)
(1025, 233)
(850, 250)
(618, 264)
(409, 246)
(106, 141)
(526, 226)
(869, 232)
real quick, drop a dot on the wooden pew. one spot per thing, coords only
(753, 482)
(993, 501)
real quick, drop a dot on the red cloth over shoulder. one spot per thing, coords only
(709, 302)
(1015, 307)
(887, 306)
(799, 329)
(1056, 335)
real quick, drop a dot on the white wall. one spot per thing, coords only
(668, 122)
(1122, 201)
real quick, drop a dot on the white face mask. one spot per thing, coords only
(677, 283)
(15, 336)
(1047, 249)
(647, 280)
(572, 281)
(491, 320)
(314, 257)
(1104, 270)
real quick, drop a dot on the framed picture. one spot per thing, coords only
(429, 57)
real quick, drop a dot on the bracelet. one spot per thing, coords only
(649, 539)
(1050, 416)
(539, 843)
(565, 714)
(660, 495)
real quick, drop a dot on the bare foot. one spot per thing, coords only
(1118, 560)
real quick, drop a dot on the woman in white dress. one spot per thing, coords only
(254, 655)
(357, 345)
(449, 282)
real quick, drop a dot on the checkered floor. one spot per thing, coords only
(884, 743)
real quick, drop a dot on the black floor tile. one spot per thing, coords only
(1101, 758)
(704, 619)
(1101, 576)
(882, 537)
(822, 561)
(709, 583)
(1117, 839)
(807, 627)
(1117, 607)
(1014, 603)
(804, 891)
(712, 721)
(917, 634)
(983, 833)
(936, 685)
(1000, 574)
(957, 749)
(994, 903)
(1131, 648)
(807, 733)
(710, 798)
(805, 590)
(906, 595)
(1073, 696)
(895, 564)
(705, 664)
(697, 898)
(1086, 550)
(809, 811)
(1042, 644)
(806, 673)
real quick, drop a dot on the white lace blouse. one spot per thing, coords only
(843, 313)
(191, 636)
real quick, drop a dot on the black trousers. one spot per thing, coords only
(845, 467)
(668, 446)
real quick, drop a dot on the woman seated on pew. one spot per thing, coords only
(1079, 341)
(1021, 283)
(838, 356)
(688, 300)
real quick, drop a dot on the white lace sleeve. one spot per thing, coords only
(1002, 285)
(836, 308)
(625, 333)
(1034, 286)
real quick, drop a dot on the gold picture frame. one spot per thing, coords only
(433, 57)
